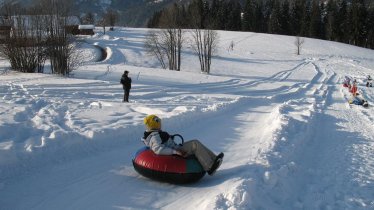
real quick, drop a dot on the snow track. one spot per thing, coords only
(317, 160)
(290, 139)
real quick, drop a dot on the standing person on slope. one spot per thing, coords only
(369, 82)
(126, 83)
(161, 143)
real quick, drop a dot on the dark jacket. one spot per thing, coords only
(126, 81)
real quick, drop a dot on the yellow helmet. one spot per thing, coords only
(152, 122)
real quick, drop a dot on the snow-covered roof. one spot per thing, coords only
(86, 27)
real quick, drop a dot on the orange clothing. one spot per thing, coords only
(354, 89)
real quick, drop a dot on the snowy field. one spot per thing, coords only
(291, 140)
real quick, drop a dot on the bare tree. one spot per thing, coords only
(23, 47)
(171, 22)
(103, 23)
(171, 40)
(165, 44)
(59, 43)
(39, 35)
(111, 17)
(88, 18)
(154, 47)
(40, 47)
(205, 43)
(168, 41)
(299, 43)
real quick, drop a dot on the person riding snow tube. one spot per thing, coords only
(163, 146)
(359, 101)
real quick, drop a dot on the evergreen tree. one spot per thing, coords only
(285, 18)
(370, 26)
(249, 16)
(267, 9)
(357, 26)
(183, 19)
(275, 18)
(322, 27)
(297, 13)
(342, 22)
(335, 20)
(315, 20)
(197, 14)
(154, 20)
(234, 18)
(214, 14)
(259, 23)
(331, 12)
(222, 15)
(206, 20)
(305, 23)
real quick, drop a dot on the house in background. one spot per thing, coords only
(27, 22)
(72, 25)
(86, 29)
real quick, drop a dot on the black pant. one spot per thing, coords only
(126, 95)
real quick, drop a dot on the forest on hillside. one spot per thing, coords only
(350, 22)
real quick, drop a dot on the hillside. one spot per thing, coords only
(130, 12)
(291, 140)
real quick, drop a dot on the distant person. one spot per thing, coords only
(369, 82)
(126, 83)
(347, 82)
(161, 143)
(359, 101)
(354, 88)
(232, 46)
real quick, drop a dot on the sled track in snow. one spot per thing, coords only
(324, 153)
(244, 88)
(298, 111)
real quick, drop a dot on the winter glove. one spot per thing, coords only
(180, 152)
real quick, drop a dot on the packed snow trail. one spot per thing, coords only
(276, 162)
(322, 172)
(289, 137)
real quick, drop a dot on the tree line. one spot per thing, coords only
(38, 34)
(350, 22)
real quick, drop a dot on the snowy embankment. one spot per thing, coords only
(290, 139)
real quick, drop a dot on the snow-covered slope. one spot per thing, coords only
(290, 139)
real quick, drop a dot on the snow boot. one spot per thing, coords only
(217, 163)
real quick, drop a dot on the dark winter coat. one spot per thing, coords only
(126, 81)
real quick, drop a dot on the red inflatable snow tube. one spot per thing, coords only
(167, 168)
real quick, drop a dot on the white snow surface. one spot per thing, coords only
(291, 140)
